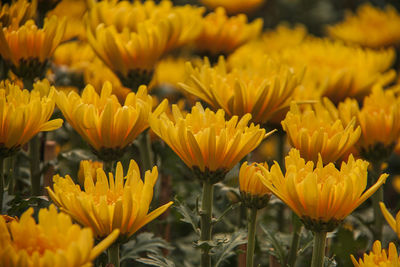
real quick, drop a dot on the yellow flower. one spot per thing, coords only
(25, 114)
(75, 27)
(322, 196)
(170, 72)
(370, 27)
(261, 89)
(222, 34)
(74, 55)
(54, 241)
(318, 130)
(254, 193)
(116, 202)
(17, 13)
(379, 257)
(394, 223)
(335, 68)
(28, 48)
(234, 6)
(88, 168)
(103, 122)
(379, 119)
(205, 141)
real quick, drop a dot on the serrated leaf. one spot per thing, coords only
(144, 243)
(156, 260)
(189, 216)
(227, 247)
(279, 251)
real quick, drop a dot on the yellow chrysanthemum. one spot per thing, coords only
(170, 72)
(394, 223)
(117, 202)
(318, 130)
(370, 27)
(17, 13)
(379, 257)
(204, 140)
(24, 114)
(254, 193)
(222, 34)
(88, 168)
(74, 55)
(322, 196)
(260, 90)
(75, 27)
(28, 48)
(233, 7)
(379, 119)
(103, 122)
(54, 241)
(335, 68)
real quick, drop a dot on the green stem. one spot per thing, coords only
(318, 249)
(113, 254)
(34, 158)
(206, 225)
(108, 166)
(1, 183)
(146, 154)
(10, 174)
(376, 198)
(292, 256)
(251, 238)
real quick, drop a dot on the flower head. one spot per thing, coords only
(103, 122)
(88, 168)
(379, 119)
(318, 130)
(254, 193)
(370, 27)
(322, 196)
(25, 114)
(222, 34)
(379, 257)
(53, 241)
(27, 48)
(205, 141)
(335, 67)
(233, 7)
(261, 89)
(394, 223)
(17, 13)
(113, 202)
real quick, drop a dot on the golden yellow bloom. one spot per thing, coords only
(28, 48)
(254, 193)
(170, 72)
(54, 241)
(394, 223)
(379, 119)
(318, 130)
(88, 168)
(370, 27)
(233, 7)
(379, 257)
(222, 34)
(261, 89)
(73, 10)
(322, 196)
(205, 141)
(103, 122)
(117, 202)
(17, 13)
(74, 55)
(25, 114)
(336, 68)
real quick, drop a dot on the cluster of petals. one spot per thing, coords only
(379, 257)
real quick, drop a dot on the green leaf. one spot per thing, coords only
(278, 249)
(156, 260)
(227, 246)
(144, 243)
(189, 216)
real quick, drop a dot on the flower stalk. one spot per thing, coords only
(146, 155)
(251, 237)
(206, 225)
(34, 158)
(376, 198)
(292, 256)
(319, 249)
(113, 254)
